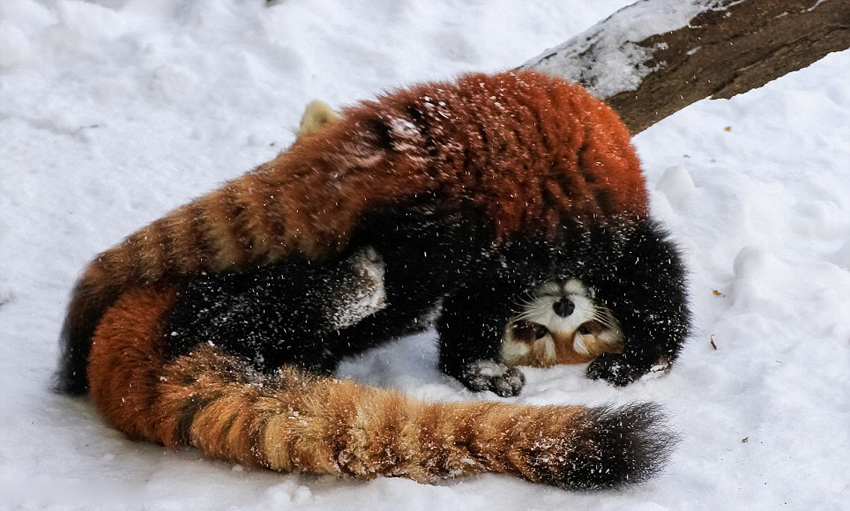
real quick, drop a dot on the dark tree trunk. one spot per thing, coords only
(655, 57)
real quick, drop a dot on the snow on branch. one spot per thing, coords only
(655, 57)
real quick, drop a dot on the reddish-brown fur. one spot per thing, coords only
(525, 151)
(292, 420)
(126, 363)
(520, 155)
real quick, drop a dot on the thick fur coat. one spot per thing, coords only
(464, 196)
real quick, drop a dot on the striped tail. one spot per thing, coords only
(246, 222)
(279, 210)
(235, 225)
(210, 234)
(295, 421)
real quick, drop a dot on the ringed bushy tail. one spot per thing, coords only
(293, 420)
(249, 220)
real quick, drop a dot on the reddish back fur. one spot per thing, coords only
(519, 154)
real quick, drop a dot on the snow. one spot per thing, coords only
(113, 112)
(363, 291)
(609, 58)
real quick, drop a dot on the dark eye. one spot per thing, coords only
(528, 332)
(585, 329)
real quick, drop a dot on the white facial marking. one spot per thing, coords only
(513, 352)
(541, 309)
(580, 346)
(549, 350)
(592, 328)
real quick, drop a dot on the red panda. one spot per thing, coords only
(470, 196)
(290, 419)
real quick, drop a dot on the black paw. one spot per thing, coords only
(489, 375)
(614, 369)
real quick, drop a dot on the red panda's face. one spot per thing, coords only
(560, 323)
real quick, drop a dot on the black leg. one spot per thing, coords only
(285, 313)
(647, 293)
(471, 328)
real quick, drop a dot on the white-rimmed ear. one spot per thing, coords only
(317, 115)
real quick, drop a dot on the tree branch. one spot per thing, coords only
(655, 57)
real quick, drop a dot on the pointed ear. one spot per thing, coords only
(316, 116)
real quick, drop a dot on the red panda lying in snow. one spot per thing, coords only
(513, 205)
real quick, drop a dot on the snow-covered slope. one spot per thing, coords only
(112, 112)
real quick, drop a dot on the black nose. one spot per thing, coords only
(564, 307)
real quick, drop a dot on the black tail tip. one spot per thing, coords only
(71, 375)
(65, 381)
(617, 447)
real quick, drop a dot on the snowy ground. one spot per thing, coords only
(113, 112)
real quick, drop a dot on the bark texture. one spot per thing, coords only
(700, 49)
